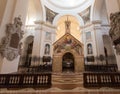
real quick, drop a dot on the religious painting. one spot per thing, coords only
(68, 40)
(50, 15)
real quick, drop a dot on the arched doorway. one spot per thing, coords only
(68, 62)
(26, 54)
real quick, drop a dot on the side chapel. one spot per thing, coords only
(68, 53)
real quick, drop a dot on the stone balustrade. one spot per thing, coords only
(25, 80)
(101, 79)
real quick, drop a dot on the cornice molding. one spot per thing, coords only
(91, 24)
(45, 24)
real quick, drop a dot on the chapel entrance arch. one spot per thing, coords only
(68, 62)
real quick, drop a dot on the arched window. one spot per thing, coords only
(89, 48)
(47, 49)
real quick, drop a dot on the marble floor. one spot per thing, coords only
(64, 84)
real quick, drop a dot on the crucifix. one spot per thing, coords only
(67, 25)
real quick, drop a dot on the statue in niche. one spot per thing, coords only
(47, 49)
(89, 49)
(9, 46)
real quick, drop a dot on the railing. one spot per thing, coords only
(101, 79)
(41, 68)
(34, 69)
(25, 80)
(101, 68)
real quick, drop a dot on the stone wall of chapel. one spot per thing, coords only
(57, 61)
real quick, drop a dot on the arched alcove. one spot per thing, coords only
(47, 49)
(89, 48)
(109, 52)
(26, 55)
(68, 62)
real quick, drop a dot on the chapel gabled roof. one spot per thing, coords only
(65, 36)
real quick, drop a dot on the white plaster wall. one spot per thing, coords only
(104, 16)
(10, 66)
(35, 12)
(89, 28)
(21, 10)
(44, 41)
(53, 40)
(112, 6)
(97, 8)
(14, 8)
(96, 30)
(2, 9)
(7, 18)
(99, 40)
(39, 40)
(119, 4)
